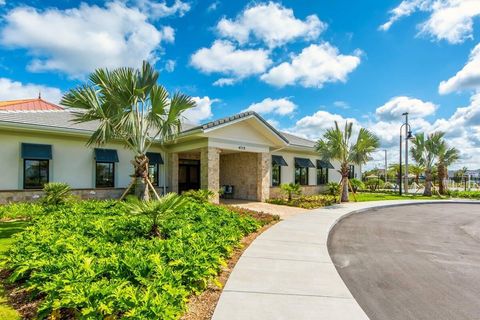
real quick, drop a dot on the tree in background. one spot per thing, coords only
(446, 157)
(129, 106)
(336, 145)
(417, 171)
(425, 150)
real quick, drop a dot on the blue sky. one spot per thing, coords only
(301, 64)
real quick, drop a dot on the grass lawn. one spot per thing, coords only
(365, 196)
(7, 230)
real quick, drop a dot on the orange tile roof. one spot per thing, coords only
(28, 105)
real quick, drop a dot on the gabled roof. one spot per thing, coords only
(28, 105)
(236, 117)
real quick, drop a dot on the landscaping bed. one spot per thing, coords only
(306, 202)
(95, 260)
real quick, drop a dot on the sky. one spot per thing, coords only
(301, 64)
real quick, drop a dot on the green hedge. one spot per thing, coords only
(93, 260)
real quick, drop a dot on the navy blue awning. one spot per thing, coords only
(154, 158)
(279, 161)
(324, 164)
(36, 151)
(304, 163)
(106, 155)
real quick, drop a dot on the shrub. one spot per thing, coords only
(291, 189)
(306, 202)
(464, 194)
(20, 211)
(91, 259)
(56, 193)
(388, 185)
(357, 184)
(200, 195)
(374, 184)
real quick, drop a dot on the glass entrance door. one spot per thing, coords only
(188, 175)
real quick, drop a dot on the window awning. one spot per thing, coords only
(279, 161)
(36, 151)
(324, 164)
(106, 155)
(154, 158)
(304, 163)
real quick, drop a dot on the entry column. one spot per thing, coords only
(210, 170)
(263, 176)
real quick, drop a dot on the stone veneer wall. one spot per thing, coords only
(209, 171)
(240, 170)
(7, 196)
(276, 192)
(264, 164)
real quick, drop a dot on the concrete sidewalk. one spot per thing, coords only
(287, 273)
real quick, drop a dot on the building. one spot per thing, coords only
(40, 143)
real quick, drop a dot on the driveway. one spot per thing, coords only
(412, 262)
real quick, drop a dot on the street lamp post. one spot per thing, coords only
(385, 173)
(408, 135)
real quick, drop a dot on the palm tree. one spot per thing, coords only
(425, 152)
(446, 157)
(129, 106)
(336, 145)
(417, 171)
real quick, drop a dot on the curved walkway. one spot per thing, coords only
(287, 273)
(415, 262)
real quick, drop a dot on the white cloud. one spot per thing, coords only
(170, 65)
(313, 126)
(396, 106)
(270, 23)
(467, 78)
(12, 90)
(404, 9)
(213, 6)
(78, 40)
(313, 67)
(282, 106)
(2, 2)
(202, 111)
(450, 20)
(157, 10)
(223, 57)
(341, 104)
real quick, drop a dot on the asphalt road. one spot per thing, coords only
(412, 262)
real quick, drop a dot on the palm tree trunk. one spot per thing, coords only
(428, 183)
(141, 176)
(344, 182)
(441, 178)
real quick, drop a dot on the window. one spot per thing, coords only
(276, 175)
(322, 176)
(35, 173)
(153, 174)
(351, 171)
(105, 175)
(301, 175)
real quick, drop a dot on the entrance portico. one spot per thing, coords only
(236, 153)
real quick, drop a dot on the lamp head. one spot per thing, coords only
(405, 113)
(410, 136)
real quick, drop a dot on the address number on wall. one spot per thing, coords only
(241, 148)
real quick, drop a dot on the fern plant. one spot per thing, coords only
(56, 193)
(157, 210)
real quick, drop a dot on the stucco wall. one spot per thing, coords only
(72, 162)
(240, 170)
